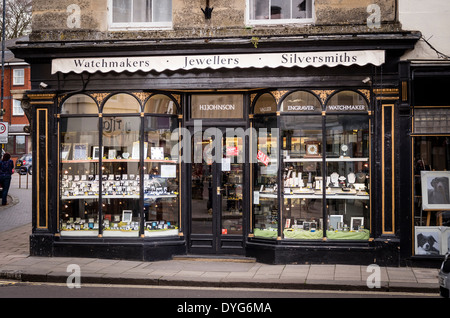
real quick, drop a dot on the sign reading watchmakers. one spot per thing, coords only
(189, 62)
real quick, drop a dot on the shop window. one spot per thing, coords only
(121, 165)
(140, 13)
(79, 105)
(325, 167)
(79, 176)
(279, 11)
(161, 174)
(122, 104)
(265, 169)
(431, 191)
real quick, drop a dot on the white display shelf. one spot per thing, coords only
(319, 159)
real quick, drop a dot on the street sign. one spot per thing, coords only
(3, 132)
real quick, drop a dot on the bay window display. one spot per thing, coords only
(265, 171)
(324, 174)
(117, 174)
(431, 191)
(79, 187)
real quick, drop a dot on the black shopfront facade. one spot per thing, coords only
(283, 163)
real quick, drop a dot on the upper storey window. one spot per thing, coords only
(279, 11)
(140, 13)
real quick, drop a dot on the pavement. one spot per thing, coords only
(190, 270)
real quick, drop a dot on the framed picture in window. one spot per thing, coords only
(127, 215)
(335, 219)
(427, 240)
(96, 152)
(80, 151)
(445, 247)
(356, 223)
(65, 151)
(435, 190)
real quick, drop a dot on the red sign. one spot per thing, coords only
(261, 156)
(232, 151)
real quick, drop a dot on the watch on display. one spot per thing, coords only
(312, 149)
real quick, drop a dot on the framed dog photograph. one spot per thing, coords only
(427, 240)
(435, 190)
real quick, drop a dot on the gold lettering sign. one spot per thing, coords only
(217, 106)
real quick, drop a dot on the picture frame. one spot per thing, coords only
(335, 219)
(127, 216)
(356, 222)
(96, 152)
(112, 154)
(445, 246)
(65, 150)
(157, 153)
(435, 190)
(427, 240)
(80, 151)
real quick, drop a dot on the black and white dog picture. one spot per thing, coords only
(428, 241)
(435, 190)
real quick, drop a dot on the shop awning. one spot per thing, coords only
(217, 61)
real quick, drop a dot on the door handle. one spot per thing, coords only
(219, 189)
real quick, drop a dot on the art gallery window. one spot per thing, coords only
(321, 171)
(431, 180)
(118, 176)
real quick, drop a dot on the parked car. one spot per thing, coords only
(444, 277)
(24, 164)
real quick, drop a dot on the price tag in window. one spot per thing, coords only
(261, 156)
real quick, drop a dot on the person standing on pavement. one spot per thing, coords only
(6, 170)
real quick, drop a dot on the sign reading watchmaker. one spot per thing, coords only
(190, 62)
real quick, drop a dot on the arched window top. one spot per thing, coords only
(160, 104)
(122, 103)
(79, 104)
(265, 104)
(301, 102)
(347, 101)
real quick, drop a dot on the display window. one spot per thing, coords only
(431, 181)
(324, 175)
(265, 169)
(118, 165)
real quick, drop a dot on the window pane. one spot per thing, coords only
(265, 193)
(79, 105)
(122, 11)
(280, 9)
(302, 176)
(19, 77)
(162, 11)
(259, 9)
(160, 104)
(121, 103)
(20, 144)
(301, 9)
(17, 108)
(160, 177)
(142, 11)
(432, 120)
(431, 164)
(265, 104)
(121, 175)
(79, 185)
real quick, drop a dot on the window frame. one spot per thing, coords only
(15, 108)
(269, 22)
(136, 25)
(15, 77)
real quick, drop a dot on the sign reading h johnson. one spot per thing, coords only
(190, 62)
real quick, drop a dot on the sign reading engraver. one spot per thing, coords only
(217, 106)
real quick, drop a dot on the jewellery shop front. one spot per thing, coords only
(284, 153)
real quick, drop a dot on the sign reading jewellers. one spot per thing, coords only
(190, 62)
